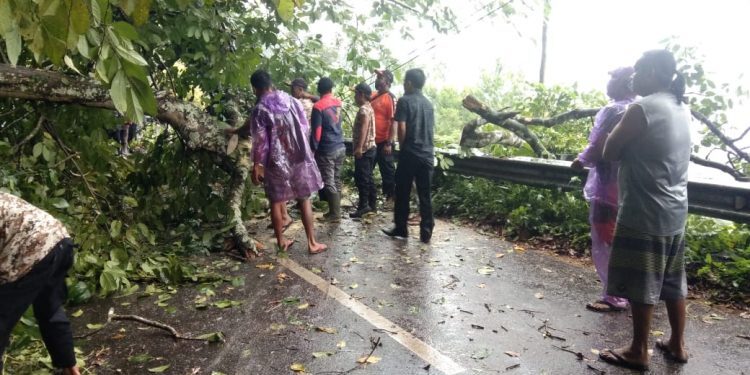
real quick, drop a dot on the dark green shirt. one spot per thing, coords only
(417, 111)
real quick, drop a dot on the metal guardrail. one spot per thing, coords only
(729, 201)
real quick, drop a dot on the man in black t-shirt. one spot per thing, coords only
(416, 128)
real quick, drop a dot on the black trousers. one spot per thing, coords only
(363, 168)
(411, 169)
(387, 171)
(44, 288)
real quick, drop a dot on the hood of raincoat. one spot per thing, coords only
(277, 102)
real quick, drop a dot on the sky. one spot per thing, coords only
(587, 38)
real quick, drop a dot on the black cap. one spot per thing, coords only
(299, 82)
(386, 74)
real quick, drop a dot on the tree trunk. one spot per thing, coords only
(198, 130)
(543, 63)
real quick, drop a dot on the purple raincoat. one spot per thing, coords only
(278, 127)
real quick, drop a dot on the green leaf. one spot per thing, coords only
(60, 203)
(140, 358)
(119, 91)
(130, 55)
(158, 369)
(285, 8)
(94, 326)
(13, 44)
(140, 13)
(125, 30)
(79, 16)
(212, 337)
(114, 228)
(322, 354)
(77, 314)
(70, 64)
(83, 47)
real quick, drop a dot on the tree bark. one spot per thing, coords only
(471, 138)
(198, 130)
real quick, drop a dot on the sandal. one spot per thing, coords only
(603, 307)
(611, 357)
(661, 345)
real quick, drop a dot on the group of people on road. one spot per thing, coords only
(638, 155)
(298, 149)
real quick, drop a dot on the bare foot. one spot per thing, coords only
(673, 352)
(71, 371)
(317, 247)
(284, 246)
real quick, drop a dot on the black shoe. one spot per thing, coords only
(360, 212)
(425, 236)
(396, 232)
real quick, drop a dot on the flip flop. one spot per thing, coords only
(661, 345)
(611, 357)
(603, 307)
(325, 247)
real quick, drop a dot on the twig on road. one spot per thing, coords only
(374, 343)
(111, 316)
(578, 355)
(596, 370)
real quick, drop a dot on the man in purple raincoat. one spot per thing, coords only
(601, 184)
(282, 160)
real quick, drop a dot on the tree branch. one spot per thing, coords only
(198, 130)
(559, 119)
(505, 120)
(30, 136)
(722, 167)
(471, 138)
(724, 139)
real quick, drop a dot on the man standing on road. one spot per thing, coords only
(299, 92)
(35, 255)
(327, 142)
(416, 129)
(383, 104)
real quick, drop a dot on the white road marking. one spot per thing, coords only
(409, 341)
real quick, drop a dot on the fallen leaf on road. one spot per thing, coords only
(281, 277)
(481, 354)
(745, 315)
(303, 306)
(546, 270)
(277, 326)
(265, 266)
(334, 281)
(538, 295)
(395, 286)
(94, 326)
(486, 270)
(140, 358)
(158, 369)
(656, 333)
(499, 255)
(316, 270)
(341, 344)
(77, 313)
(297, 367)
(595, 351)
(512, 354)
(519, 248)
(322, 354)
(481, 286)
(371, 359)
(330, 330)
(710, 318)
(353, 286)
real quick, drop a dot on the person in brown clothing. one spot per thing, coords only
(363, 149)
(35, 255)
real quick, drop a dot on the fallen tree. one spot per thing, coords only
(198, 131)
(517, 129)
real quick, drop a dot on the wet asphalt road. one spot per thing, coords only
(486, 304)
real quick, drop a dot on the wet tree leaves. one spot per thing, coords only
(481, 354)
(322, 354)
(140, 358)
(369, 359)
(212, 337)
(486, 270)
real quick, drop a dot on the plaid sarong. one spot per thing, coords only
(645, 268)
